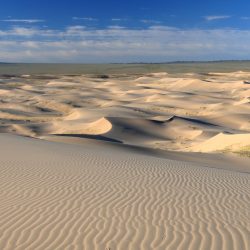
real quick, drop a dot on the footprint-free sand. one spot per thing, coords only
(128, 161)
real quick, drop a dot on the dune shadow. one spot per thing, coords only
(94, 137)
(193, 120)
(200, 122)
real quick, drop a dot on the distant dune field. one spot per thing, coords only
(125, 161)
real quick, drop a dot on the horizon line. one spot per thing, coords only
(169, 62)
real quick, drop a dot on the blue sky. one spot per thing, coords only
(123, 31)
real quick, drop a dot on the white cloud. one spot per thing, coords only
(117, 19)
(116, 27)
(119, 44)
(23, 20)
(85, 18)
(73, 29)
(150, 21)
(212, 18)
(245, 18)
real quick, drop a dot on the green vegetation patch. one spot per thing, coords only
(243, 151)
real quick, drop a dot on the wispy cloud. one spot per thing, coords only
(150, 21)
(118, 19)
(119, 44)
(85, 18)
(212, 18)
(23, 20)
(116, 27)
(245, 18)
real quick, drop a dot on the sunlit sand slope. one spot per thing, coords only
(63, 196)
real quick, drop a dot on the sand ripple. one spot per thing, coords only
(59, 196)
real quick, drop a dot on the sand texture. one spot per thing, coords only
(110, 162)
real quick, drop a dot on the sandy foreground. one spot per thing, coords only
(153, 161)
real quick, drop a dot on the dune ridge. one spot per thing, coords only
(164, 111)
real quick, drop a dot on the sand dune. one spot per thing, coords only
(143, 161)
(130, 108)
(224, 142)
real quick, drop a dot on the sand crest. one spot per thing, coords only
(165, 111)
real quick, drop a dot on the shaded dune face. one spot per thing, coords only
(161, 110)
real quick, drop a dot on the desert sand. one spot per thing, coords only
(128, 161)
